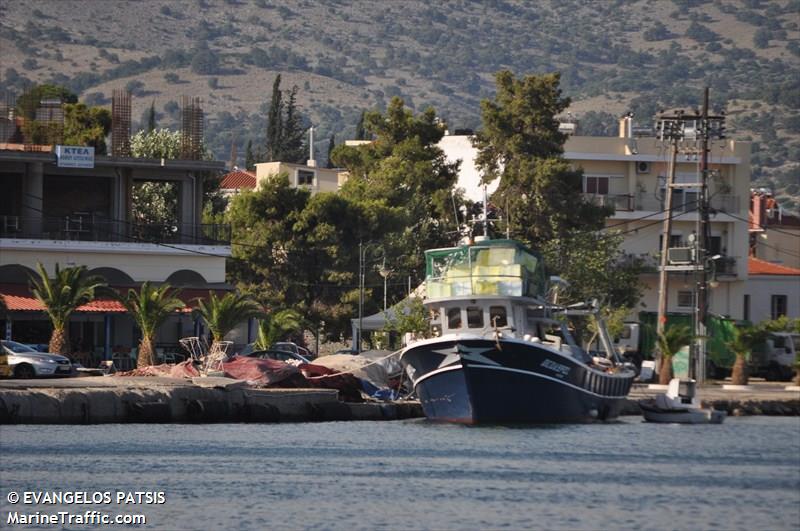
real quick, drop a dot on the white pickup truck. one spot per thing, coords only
(777, 358)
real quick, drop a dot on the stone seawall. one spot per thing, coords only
(120, 400)
(759, 398)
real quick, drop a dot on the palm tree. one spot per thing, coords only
(222, 314)
(272, 327)
(669, 343)
(149, 307)
(745, 338)
(69, 288)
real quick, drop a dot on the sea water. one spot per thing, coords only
(743, 474)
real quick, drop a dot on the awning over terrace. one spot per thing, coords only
(18, 298)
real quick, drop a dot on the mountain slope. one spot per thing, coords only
(346, 56)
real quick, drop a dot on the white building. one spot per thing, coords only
(630, 173)
(83, 216)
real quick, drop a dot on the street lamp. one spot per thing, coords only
(385, 272)
(362, 252)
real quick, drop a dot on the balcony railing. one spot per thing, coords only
(721, 267)
(93, 229)
(687, 203)
(619, 201)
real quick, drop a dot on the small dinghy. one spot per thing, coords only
(679, 405)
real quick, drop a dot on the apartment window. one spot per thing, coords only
(715, 245)
(746, 308)
(675, 240)
(778, 306)
(685, 299)
(596, 185)
(305, 178)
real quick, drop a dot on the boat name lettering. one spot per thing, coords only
(559, 369)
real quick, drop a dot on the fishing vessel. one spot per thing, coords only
(503, 351)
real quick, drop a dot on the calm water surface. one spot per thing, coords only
(744, 474)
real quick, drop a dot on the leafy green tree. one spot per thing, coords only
(277, 227)
(155, 203)
(540, 193)
(31, 99)
(520, 144)
(595, 267)
(748, 338)
(86, 126)
(274, 327)
(69, 288)
(223, 314)
(404, 169)
(149, 307)
(410, 317)
(669, 343)
(745, 338)
(156, 144)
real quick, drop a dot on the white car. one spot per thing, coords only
(26, 362)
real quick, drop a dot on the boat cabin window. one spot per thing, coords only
(453, 318)
(533, 318)
(498, 316)
(474, 317)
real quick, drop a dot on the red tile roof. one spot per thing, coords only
(756, 266)
(238, 179)
(19, 299)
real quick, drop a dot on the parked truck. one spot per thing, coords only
(774, 360)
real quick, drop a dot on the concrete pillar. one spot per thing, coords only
(107, 343)
(251, 325)
(198, 200)
(186, 210)
(122, 190)
(33, 199)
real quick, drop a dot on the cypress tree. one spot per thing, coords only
(331, 145)
(275, 122)
(293, 149)
(249, 157)
(361, 132)
(151, 117)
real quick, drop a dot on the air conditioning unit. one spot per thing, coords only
(642, 167)
(680, 255)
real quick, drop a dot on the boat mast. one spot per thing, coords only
(485, 214)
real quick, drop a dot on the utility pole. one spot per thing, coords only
(360, 295)
(704, 240)
(669, 129)
(698, 128)
(663, 279)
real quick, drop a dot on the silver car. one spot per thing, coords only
(26, 362)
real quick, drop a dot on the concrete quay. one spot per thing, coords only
(97, 400)
(759, 398)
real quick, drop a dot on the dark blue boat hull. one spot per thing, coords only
(475, 382)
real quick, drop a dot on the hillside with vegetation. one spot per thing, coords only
(347, 56)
